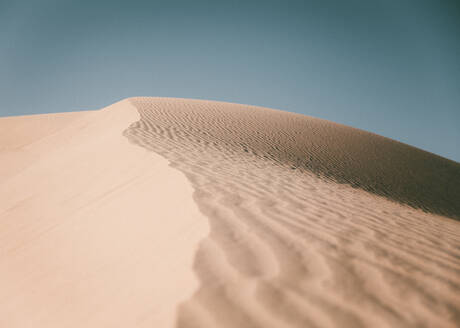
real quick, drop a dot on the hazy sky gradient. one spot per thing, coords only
(390, 67)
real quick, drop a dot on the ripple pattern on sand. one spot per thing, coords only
(313, 224)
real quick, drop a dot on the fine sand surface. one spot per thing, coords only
(160, 212)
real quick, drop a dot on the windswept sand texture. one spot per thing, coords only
(294, 222)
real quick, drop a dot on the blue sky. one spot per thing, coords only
(390, 67)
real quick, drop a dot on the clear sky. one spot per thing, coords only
(391, 67)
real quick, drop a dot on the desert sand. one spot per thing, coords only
(162, 212)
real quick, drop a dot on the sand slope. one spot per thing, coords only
(300, 222)
(94, 232)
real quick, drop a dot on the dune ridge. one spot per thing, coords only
(289, 246)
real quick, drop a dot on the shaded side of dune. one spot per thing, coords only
(291, 248)
(361, 159)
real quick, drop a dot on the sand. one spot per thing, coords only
(160, 212)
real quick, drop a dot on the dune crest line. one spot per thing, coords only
(313, 224)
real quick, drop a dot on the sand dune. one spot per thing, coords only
(170, 212)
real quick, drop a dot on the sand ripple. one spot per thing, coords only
(313, 224)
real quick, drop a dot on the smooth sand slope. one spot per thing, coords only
(94, 232)
(262, 219)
